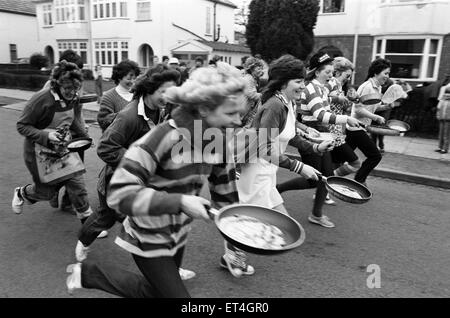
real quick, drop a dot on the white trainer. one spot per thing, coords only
(186, 274)
(17, 201)
(81, 251)
(103, 234)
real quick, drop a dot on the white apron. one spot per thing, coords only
(257, 183)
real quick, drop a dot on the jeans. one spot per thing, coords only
(325, 166)
(75, 188)
(444, 134)
(102, 219)
(359, 139)
(160, 278)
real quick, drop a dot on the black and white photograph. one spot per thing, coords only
(237, 152)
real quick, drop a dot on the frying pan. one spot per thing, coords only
(370, 99)
(398, 125)
(88, 98)
(363, 191)
(382, 130)
(79, 144)
(293, 233)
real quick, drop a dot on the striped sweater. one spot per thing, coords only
(110, 104)
(315, 105)
(148, 185)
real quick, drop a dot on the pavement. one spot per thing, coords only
(407, 159)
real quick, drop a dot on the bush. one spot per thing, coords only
(21, 81)
(39, 61)
(87, 74)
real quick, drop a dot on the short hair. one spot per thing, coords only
(281, 71)
(72, 57)
(341, 65)
(208, 87)
(165, 58)
(65, 71)
(378, 66)
(123, 68)
(153, 79)
(199, 59)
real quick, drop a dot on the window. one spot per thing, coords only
(332, 6)
(47, 12)
(79, 47)
(399, 1)
(143, 10)
(413, 59)
(208, 20)
(107, 9)
(13, 52)
(108, 52)
(70, 10)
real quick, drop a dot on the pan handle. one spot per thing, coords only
(322, 177)
(212, 212)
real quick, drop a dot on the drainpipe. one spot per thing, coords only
(214, 22)
(91, 42)
(356, 39)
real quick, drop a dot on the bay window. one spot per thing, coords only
(80, 47)
(110, 52)
(411, 58)
(108, 9)
(143, 10)
(47, 13)
(70, 10)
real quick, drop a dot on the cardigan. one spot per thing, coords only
(110, 104)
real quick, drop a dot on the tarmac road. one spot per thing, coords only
(403, 230)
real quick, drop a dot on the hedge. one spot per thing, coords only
(23, 81)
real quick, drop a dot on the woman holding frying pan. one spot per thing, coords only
(357, 137)
(157, 186)
(276, 119)
(316, 113)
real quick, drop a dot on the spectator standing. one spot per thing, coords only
(98, 77)
(443, 115)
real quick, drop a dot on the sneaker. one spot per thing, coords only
(102, 234)
(236, 262)
(186, 274)
(328, 200)
(382, 151)
(438, 150)
(17, 201)
(73, 281)
(81, 251)
(323, 221)
(444, 151)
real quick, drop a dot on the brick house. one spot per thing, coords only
(413, 34)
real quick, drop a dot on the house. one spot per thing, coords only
(107, 31)
(412, 34)
(18, 30)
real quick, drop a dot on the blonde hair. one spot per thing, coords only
(341, 65)
(208, 86)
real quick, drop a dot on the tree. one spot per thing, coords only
(277, 27)
(39, 61)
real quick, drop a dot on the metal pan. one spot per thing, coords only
(370, 99)
(332, 183)
(382, 130)
(401, 126)
(293, 233)
(79, 144)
